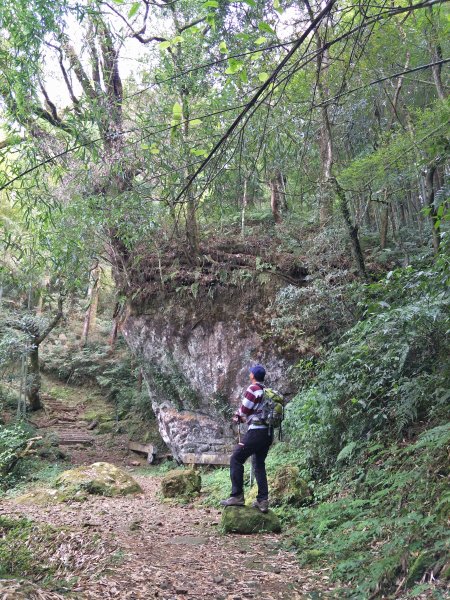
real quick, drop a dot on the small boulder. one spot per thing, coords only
(181, 483)
(287, 487)
(99, 478)
(105, 427)
(244, 519)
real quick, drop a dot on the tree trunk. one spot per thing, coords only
(435, 229)
(244, 206)
(91, 312)
(351, 228)
(276, 196)
(384, 224)
(33, 384)
(326, 187)
(435, 50)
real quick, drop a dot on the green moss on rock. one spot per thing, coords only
(181, 483)
(244, 519)
(287, 487)
(106, 427)
(100, 478)
(48, 497)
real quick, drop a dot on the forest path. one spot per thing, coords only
(171, 552)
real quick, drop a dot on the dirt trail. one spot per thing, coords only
(140, 547)
(172, 552)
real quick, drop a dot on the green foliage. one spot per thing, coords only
(16, 558)
(388, 372)
(116, 375)
(378, 514)
(13, 439)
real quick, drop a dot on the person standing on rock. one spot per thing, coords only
(256, 443)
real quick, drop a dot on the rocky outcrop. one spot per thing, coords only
(195, 355)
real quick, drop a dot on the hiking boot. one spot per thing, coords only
(262, 505)
(234, 501)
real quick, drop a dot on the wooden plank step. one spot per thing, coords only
(68, 437)
(190, 458)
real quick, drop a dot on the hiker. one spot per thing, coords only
(256, 442)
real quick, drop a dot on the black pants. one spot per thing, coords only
(256, 442)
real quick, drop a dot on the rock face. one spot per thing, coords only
(245, 519)
(195, 358)
(181, 483)
(99, 478)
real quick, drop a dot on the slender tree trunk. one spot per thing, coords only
(276, 196)
(435, 229)
(326, 187)
(384, 223)
(91, 312)
(244, 206)
(351, 228)
(34, 379)
(435, 50)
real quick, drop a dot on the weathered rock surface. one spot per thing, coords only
(244, 519)
(181, 483)
(195, 358)
(99, 478)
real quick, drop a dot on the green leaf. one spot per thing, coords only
(199, 152)
(134, 9)
(243, 75)
(177, 111)
(234, 66)
(255, 56)
(165, 45)
(277, 6)
(260, 40)
(265, 27)
(195, 122)
(263, 77)
(211, 21)
(223, 48)
(251, 3)
(211, 4)
(177, 40)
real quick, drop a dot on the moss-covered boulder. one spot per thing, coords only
(99, 478)
(244, 519)
(106, 427)
(48, 497)
(181, 483)
(287, 487)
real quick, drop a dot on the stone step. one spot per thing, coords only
(190, 458)
(147, 449)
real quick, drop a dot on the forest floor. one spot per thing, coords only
(142, 547)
